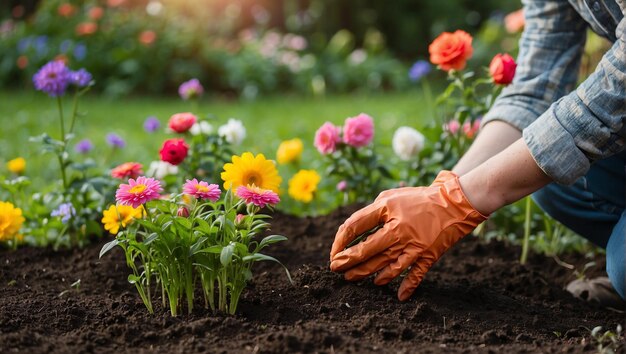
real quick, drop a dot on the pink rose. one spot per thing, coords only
(326, 138)
(358, 131)
(452, 126)
(182, 122)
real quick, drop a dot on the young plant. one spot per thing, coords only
(194, 238)
(607, 342)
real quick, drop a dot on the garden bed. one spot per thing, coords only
(478, 298)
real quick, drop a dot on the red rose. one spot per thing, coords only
(182, 122)
(451, 50)
(174, 151)
(502, 69)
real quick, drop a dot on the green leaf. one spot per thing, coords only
(107, 247)
(132, 278)
(203, 226)
(263, 257)
(226, 256)
(184, 222)
(217, 249)
(153, 236)
(271, 239)
(196, 246)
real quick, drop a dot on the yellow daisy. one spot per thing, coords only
(303, 185)
(11, 221)
(248, 169)
(289, 151)
(119, 215)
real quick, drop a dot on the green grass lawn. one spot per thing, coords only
(267, 120)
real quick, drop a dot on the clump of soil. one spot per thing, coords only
(477, 298)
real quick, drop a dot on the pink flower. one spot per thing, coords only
(182, 122)
(257, 196)
(138, 192)
(358, 131)
(470, 129)
(326, 138)
(202, 190)
(452, 126)
(342, 185)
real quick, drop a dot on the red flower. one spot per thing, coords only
(127, 170)
(502, 69)
(182, 122)
(147, 38)
(450, 51)
(96, 13)
(174, 151)
(66, 10)
(86, 28)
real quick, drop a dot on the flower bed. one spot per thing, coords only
(477, 298)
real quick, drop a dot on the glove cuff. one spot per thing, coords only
(451, 187)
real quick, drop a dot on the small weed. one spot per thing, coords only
(607, 342)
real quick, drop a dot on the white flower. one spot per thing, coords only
(357, 57)
(407, 142)
(234, 132)
(201, 127)
(160, 169)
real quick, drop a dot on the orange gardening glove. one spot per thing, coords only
(418, 225)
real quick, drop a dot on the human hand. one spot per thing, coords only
(418, 225)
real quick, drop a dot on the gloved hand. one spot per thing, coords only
(418, 225)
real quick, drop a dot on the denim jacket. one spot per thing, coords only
(567, 129)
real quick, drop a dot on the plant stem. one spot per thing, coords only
(60, 106)
(525, 243)
(62, 167)
(74, 112)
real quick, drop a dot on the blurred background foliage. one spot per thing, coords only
(241, 47)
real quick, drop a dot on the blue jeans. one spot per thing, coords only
(594, 207)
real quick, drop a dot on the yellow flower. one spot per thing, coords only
(248, 169)
(11, 221)
(17, 165)
(289, 151)
(303, 184)
(120, 215)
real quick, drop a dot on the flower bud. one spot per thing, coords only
(183, 212)
(240, 220)
(342, 186)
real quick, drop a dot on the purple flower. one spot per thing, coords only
(115, 141)
(418, 70)
(190, 89)
(65, 45)
(80, 78)
(64, 211)
(80, 51)
(83, 146)
(52, 78)
(151, 124)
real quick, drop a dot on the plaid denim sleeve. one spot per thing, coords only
(586, 125)
(549, 56)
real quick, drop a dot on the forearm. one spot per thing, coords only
(492, 139)
(506, 177)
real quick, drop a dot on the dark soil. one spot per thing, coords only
(476, 299)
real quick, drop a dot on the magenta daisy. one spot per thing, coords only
(202, 190)
(138, 192)
(260, 197)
